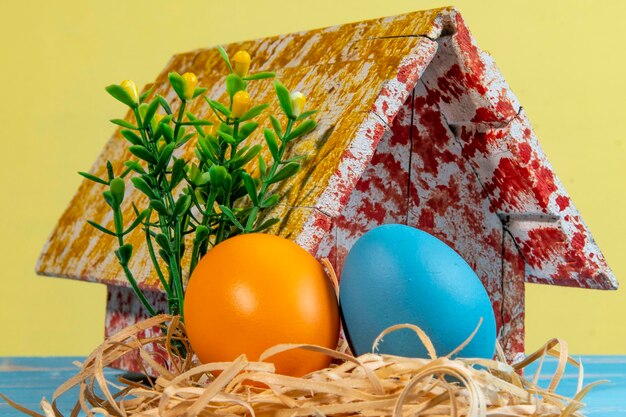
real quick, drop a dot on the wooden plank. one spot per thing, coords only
(607, 400)
(27, 380)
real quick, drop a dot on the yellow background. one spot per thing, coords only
(564, 59)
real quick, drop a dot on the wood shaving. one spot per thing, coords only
(370, 385)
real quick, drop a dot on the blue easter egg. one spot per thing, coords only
(396, 274)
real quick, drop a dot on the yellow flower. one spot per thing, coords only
(191, 81)
(242, 63)
(298, 100)
(241, 103)
(131, 88)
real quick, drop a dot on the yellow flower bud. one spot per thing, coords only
(241, 103)
(298, 100)
(242, 63)
(191, 81)
(131, 88)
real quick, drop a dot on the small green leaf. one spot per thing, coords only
(218, 175)
(178, 84)
(118, 188)
(209, 146)
(288, 170)
(246, 130)
(109, 199)
(198, 122)
(164, 157)
(102, 228)
(163, 242)
(124, 253)
(218, 107)
(145, 94)
(231, 217)
(93, 178)
(168, 133)
(182, 130)
(306, 114)
(202, 232)
(272, 144)
(204, 148)
(135, 166)
(182, 205)
(202, 179)
(262, 166)
(270, 201)
(198, 91)
(140, 217)
(150, 111)
(225, 127)
(178, 172)
(266, 225)
(142, 153)
(121, 95)
(248, 182)
(224, 55)
(143, 107)
(143, 186)
(159, 207)
(276, 126)
(124, 123)
(164, 255)
(227, 138)
(302, 129)
(184, 140)
(110, 170)
(245, 158)
(234, 83)
(132, 137)
(260, 76)
(253, 112)
(283, 98)
(228, 182)
(164, 104)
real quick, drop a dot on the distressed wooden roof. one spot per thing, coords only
(359, 75)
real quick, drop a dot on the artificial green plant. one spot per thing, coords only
(211, 197)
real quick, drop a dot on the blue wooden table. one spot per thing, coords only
(27, 380)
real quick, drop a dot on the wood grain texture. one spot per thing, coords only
(343, 71)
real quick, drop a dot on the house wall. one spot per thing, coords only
(124, 309)
(418, 177)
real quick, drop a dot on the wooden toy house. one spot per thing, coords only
(416, 126)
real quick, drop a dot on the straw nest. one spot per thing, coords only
(368, 385)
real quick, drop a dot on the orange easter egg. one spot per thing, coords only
(254, 291)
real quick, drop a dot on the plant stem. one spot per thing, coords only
(155, 262)
(281, 151)
(179, 119)
(197, 246)
(119, 227)
(162, 190)
(138, 292)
